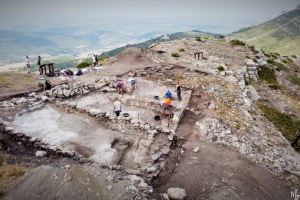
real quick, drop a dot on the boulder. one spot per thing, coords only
(176, 193)
(66, 93)
(40, 154)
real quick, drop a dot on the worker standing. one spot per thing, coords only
(27, 63)
(178, 91)
(117, 107)
(39, 63)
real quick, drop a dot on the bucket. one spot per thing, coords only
(156, 117)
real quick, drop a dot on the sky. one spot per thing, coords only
(20, 14)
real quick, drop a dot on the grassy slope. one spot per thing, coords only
(281, 34)
(174, 36)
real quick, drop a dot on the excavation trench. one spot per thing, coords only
(71, 133)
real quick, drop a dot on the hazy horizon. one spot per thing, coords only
(226, 16)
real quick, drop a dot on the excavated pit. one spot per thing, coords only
(103, 102)
(71, 132)
(85, 125)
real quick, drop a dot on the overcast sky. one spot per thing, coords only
(237, 13)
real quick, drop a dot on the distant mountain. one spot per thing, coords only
(281, 34)
(14, 45)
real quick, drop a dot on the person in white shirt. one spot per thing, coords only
(94, 60)
(27, 63)
(132, 83)
(117, 107)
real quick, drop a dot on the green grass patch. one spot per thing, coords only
(221, 68)
(175, 55)
(285, 123)
(84, 64)
(295, 79)
(237, 43)
(4, 81)
(181, 50)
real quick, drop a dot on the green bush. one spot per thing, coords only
(270, 61)
(252, 48)
(175, 55)
(267, 74)
(287, 60)
(295, 79)
(294, 56)
(279, 66)
(221, 68)
(83, 64)
(181, 50)
(199, 39)
(237, 43)
(285, 123)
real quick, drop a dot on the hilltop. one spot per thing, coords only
(230, 135)
(281, 35)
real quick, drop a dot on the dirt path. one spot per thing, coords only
(216, 172)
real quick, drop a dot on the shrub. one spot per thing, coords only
(221, 68)
(252, 48)
(267, 74)
(181, 50)
(295, 79)
(199, 39)
(270, 61)
(275, 86)
(222, 36)
(279, 66)
(83, 64)
(287, 60)
(175, 55)
(285, 123)
(237, 43)
(294, 56)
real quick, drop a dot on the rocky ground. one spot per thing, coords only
(221, 143)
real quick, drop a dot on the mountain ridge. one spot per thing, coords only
(281, 34)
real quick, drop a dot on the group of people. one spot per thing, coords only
(167, 104)
(121, 86)
(39, 63)
(168, 97)
(28, 65)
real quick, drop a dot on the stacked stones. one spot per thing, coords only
(240, 74)
(73, 89)
(252, 69)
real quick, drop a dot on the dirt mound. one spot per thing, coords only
(131, 54)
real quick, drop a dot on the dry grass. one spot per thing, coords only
(12, 83)
(4, 80)
(9, 173)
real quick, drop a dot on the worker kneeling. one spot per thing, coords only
(121, 86)
(167, 107)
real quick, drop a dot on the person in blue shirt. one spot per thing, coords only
(168, 94)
